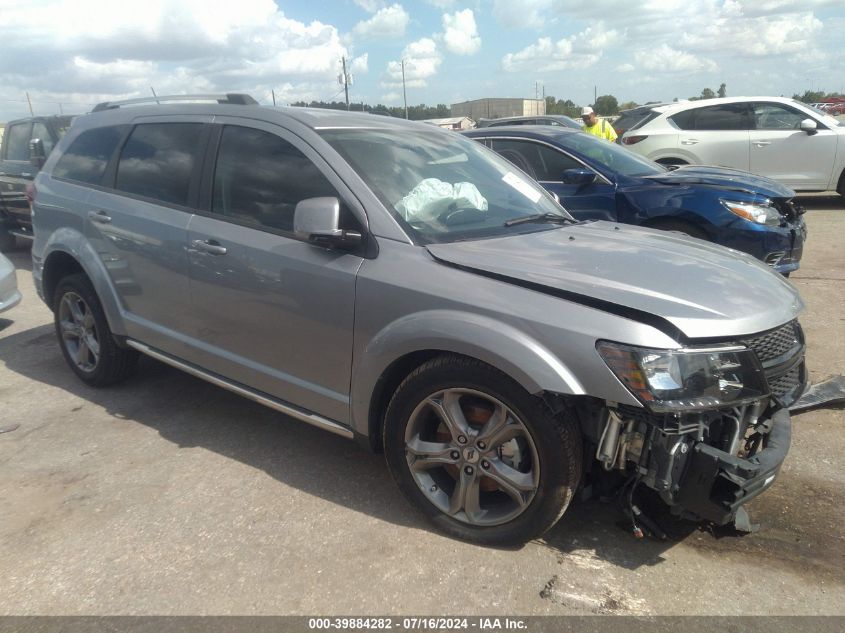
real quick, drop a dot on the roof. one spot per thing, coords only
(314, 118)
(448, 120)
(536, 131)
(698, 103)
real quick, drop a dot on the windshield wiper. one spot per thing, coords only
(541, 218)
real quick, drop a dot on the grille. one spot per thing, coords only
(774, 344)
(786, 388)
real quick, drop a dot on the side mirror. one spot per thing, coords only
(36, 153)
(809, 126)
(580, 177)
(317, 220)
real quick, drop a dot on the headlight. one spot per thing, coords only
(687, 379)
(760, 213)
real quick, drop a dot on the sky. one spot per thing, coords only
(68, 55)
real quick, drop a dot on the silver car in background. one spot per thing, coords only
(407, 287)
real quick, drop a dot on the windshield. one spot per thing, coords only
(612, 158)
(442, 187)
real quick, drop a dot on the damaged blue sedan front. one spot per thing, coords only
(597, 180)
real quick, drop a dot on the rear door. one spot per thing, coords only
(138, 224)
(546, 164)
(780, 149)
(272, 312)
(716, 135)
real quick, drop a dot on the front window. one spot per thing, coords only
(442, 187)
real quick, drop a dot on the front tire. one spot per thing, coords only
(483, 459)
(85, 337)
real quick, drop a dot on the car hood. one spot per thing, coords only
(677, 282)
(725, 178)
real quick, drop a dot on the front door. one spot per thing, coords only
(271, 311)
(781, 150)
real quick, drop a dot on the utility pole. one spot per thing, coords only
(29, 101)
(345, 82)
(404, 93)
(595, 95)
(273, 92)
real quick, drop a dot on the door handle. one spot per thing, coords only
(762, 143)
(212, 247)
(100, 217)
(689, 141)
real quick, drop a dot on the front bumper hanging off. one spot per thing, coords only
(714, 484)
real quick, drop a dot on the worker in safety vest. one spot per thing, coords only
(595, 126)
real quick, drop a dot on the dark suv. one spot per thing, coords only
(26, 144)
(406, 286)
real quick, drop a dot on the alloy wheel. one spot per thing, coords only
(472, 457)
(79, 332)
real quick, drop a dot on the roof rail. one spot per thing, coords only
(231, 98)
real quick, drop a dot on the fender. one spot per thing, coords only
(501, 345)
(72, 242)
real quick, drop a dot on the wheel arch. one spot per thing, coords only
(407, 343)
(69, 253)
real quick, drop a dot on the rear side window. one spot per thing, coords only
(538, 161)
(727, 116)
(87, 157)
(260, 178)
(16, 140)
(158, 161)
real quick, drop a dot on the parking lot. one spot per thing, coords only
(167, 495)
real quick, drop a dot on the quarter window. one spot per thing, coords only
(17, 142)
(86, 158)
(260, 178)
(158, 161)
(538, 161)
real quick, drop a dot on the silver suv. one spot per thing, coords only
(405, 286)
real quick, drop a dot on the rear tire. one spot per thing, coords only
(479, 456)
(84, 335)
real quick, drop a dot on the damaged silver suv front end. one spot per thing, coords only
(714, 428)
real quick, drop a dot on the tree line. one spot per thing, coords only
(605, 105)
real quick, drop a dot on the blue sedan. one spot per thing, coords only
(597, 180)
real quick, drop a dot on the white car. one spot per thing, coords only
(783, 139)
(9, 295)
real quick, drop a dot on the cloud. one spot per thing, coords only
(51, 50)
(522, 14)
(581, 50)
(370, 6)
(440, 4)
(422, 59)
(460, 34)
(666, 59)
(387, 23)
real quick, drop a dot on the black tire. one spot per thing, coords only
(555, 440)
(8, 242)
(112, 363)
(671, 161)
(679, 226)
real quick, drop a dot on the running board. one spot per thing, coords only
(282, 407)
